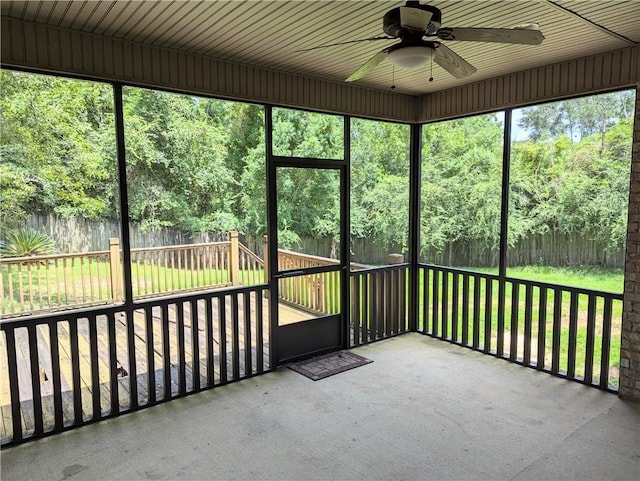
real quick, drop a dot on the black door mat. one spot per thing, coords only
(324, 366)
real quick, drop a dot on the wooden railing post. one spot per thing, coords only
(397, 290)
(395, 259)
(114, 265)
(234, 258)
(265, 257)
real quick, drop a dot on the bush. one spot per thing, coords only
(26, 243)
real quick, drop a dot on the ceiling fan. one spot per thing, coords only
(415, 24)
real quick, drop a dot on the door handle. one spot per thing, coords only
(288, 274)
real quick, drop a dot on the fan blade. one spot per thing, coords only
(524, 36)
(344, 43)
(452, 62)
(370, 65)
(414, 18)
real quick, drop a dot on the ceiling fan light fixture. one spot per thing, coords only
(411, 57)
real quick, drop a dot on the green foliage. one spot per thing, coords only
(16, 193)
(380, 183)
(198, 165)
(307, 134)
(577, 118)
(57, 146)
(569, 176)
(308, 204)
(461, 183)
(178, 160)
(579, 186)
(26, 243)
(185, 155)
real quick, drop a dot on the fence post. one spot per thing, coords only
(234, 259)
(395, 259)
(265, 257)
(114, 267)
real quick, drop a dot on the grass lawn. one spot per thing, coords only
(607, 280)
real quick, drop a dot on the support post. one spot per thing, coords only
(265, 257)
(234, 258)
(504, 203)
(630, 342)
(271, 255)
(395, 259)
(114, 268)
(397, 291)
(126, 278)
(345, 248)
(415, 155)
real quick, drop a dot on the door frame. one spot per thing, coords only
(273, 162)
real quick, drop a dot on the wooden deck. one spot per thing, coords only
(287, 315)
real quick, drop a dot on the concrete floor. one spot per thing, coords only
(424, 409)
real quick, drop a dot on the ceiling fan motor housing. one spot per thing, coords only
(391, 20)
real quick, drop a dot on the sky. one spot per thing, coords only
(517, 132)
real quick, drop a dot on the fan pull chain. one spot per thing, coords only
(393, 77)
(431, 78)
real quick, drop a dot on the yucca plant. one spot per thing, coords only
(26, 243)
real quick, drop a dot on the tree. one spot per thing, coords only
(177, 162)
(576, 186)
(198, 165)
(461, 185)
(308, 204)
(57, 146)
(577, 118)
(380, 183)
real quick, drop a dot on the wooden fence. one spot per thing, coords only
(77, 234)
(551, 249)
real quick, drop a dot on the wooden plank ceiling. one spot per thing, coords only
(268, 33)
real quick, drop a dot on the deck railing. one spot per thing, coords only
(379, 303)
(164, 270)
(171, 269)
(60, 370)
(65, 369)
(39, 283)
(32, 285)
(251, 267)
(72, 368)
(319, 293)
(567, 331)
